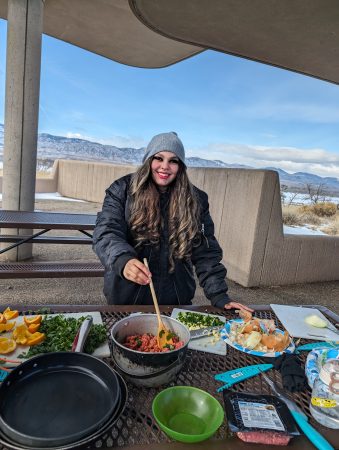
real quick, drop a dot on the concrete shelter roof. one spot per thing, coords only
(298, 35)
(110, 29)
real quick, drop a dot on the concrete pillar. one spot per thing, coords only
(25, 18)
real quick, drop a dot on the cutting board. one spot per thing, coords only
(204, 344)
(101, 352)
(293, 320)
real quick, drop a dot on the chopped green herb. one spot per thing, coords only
(169, 346)
(60, 333)
(161, 333)
(195, 320)
(138, 342)
(171, 335)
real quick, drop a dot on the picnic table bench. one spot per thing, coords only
(45, 222)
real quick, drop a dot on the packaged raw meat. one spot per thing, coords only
(259, 419)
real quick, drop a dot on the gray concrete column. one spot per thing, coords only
(25, 18)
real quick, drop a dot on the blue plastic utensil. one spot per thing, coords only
(312, 345)
(235, 376)
(311, 433)
(3, 374)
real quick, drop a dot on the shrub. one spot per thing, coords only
(291, 218)
(305, 209)
(324, 209)
(311, 218)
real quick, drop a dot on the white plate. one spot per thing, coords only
(101, 352)
(225, 332)
(204, 344)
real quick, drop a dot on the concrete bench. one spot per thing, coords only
(62, 269)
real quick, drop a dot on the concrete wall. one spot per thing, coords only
(246, 208)
(48, 184)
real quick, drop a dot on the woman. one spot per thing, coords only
(156, 213)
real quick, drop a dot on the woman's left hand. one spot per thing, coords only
(235, 305)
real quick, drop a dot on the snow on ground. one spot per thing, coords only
(52, 196)
(304, 199)
(302, 231)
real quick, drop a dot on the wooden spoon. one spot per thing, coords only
(164, 334)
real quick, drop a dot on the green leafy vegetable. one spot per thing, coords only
(60, 333)
(161, 333)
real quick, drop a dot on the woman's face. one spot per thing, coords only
(164, 168)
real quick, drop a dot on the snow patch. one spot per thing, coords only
(53, 196)
(302, 231)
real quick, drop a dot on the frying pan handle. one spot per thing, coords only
(81, 336)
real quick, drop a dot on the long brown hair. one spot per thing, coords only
(145, 216)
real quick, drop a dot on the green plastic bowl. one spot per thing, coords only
(187, 414)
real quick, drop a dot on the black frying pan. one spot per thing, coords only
(56, 399)
(85, 441)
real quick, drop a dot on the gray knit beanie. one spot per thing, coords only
(165, 142)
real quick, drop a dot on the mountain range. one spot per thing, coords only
(52, 147)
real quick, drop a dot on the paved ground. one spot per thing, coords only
(89, 291)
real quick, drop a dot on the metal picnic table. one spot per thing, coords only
(45, 221)
(136, 427)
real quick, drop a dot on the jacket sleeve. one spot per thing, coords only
(207, 257)
(110, 237)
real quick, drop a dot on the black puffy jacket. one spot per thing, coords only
(113, 244)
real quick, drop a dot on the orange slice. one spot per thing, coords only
(7, 345)
(9, 314)
(7, 326)
(34, 319)
(33, 327)
(35, 338)
(2, 318)
(20, 334)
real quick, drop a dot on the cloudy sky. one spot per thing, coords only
(222, 107)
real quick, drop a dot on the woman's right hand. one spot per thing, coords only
(137, 272)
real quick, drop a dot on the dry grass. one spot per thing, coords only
(301, 216)
(291, 216)
(322, 209)
(42, 174)
(332, 226)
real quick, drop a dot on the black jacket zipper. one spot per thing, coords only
(203, 233)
